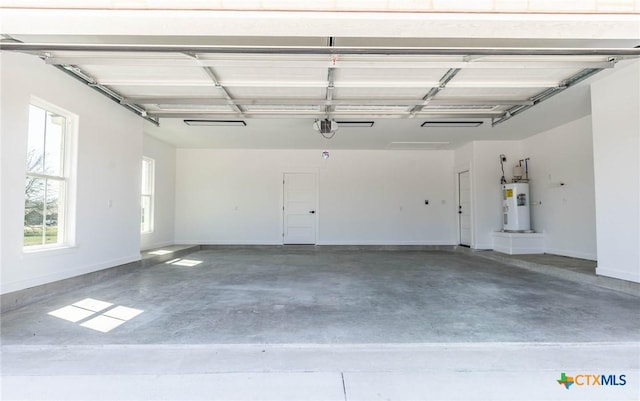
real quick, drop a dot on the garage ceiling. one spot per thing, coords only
(280, 71)
(334, 78)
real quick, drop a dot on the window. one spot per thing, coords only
(146, 202)
(46, 195)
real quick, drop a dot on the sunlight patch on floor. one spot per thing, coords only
(184, 262)
(81, 311)
(159, 252)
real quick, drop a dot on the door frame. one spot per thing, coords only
(298, 170)
(460, 170)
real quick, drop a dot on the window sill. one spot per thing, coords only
(48, 250)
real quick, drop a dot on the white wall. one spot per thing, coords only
(483, 160)
(365, 197)
(565, 214)
(109, 153)
(164, 193)
(463, 161)
(487, 192)
(615, 103)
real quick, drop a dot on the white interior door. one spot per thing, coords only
(464, 208)
(300, 217)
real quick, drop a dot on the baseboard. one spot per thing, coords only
(483, 247)
(64, 275)
(386, 243)
(322, 242)
(335, 248)
(622, 275)
(18, 298)
(571, 254)
(158, 245)
(225, 242)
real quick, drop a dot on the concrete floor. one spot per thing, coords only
(302, 295)
(572, 264)
(362, 324)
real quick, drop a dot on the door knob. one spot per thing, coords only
(312, 211)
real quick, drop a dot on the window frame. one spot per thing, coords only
(66, 177)
(147, 227)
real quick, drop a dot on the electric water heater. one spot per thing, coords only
(515, 207)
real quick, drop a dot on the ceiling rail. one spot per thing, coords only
(209, 101)
(544, 95)
(320, 50)
(77, 73)
(446, 78)
(318, 114)
(81, 76)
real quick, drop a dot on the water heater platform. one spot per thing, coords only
(518, 243)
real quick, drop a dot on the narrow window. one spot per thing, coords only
(46, 193)
(146, 201)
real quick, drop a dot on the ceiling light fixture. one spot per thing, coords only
(216, 123)
(447, 124)
(355, 124)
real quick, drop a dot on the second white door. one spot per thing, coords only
(464, 208)
(300, 214)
